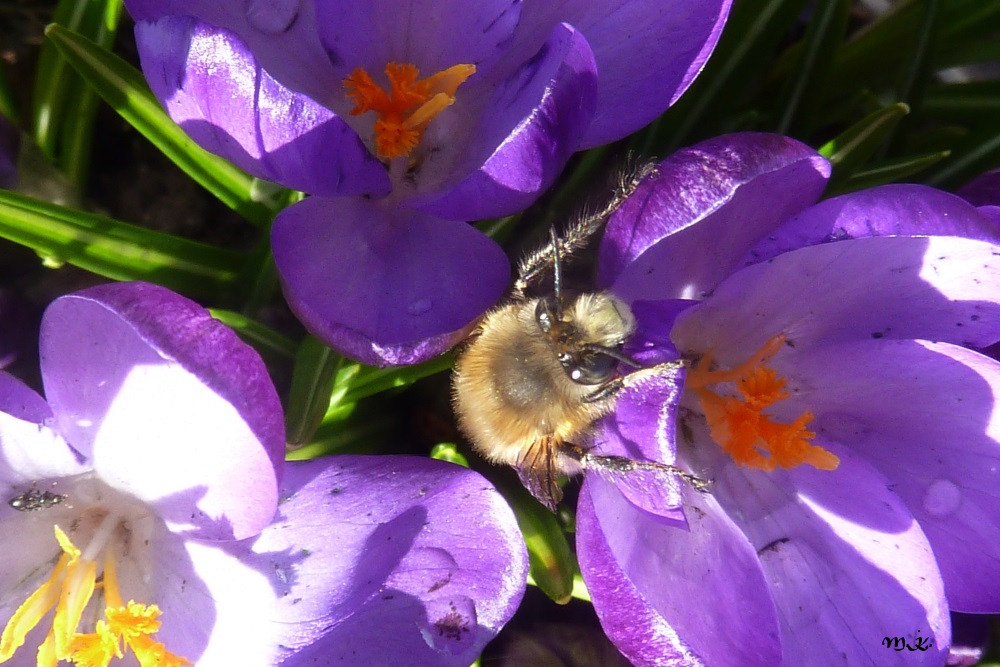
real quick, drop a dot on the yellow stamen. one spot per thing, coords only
(68, 590)
(738, 424)
(411, 103)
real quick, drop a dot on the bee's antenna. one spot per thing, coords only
(556, 272)
(578, 233)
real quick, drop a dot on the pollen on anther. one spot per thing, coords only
(738, 424)
(407, 107)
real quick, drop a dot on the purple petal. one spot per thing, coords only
(381, 284)
(686, 227)
(891, 210)
(848, 565)
(671, 41)
(19, 400)
(282, 34)
(164, 399)
(970, 637)
(868, 288)
(924, 414)
(431, 34)
(984, 190)
(31, 453)
(531, 124)
(671, 596)
(642, 428)
(211, 594)
(377, 561)
(214, 87)
(991, 212)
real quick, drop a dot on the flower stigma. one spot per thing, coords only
(738, 423)
(410, 105)
(68, 590)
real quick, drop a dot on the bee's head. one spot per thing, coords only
(587, 332)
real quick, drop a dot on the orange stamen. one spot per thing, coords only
(738, 423)
(411, 103)
(68, 590)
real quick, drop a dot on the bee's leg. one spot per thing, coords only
(579, 232)
(615, 385)
(606, 390)
(622, 465)
(539, 470)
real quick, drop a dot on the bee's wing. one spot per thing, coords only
(538, 472)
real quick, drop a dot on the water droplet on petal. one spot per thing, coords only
(942, 498)
(419, 307)
(272, 16)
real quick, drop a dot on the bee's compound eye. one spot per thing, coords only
(590, 368)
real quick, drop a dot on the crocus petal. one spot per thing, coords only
(211, 595)
(282, 34)
(214, 87)
(375, 562)
(33, 453)
(672, 41)
(531, 124)
(970, 635)
(381, 284)
(431, 34)
(891, 287)
(24, 568)
(19, 400)
(671, 596)
(686, 227)
(924, 415)
(642, 428)
(891, 210)
(983, 190)
(163, 399)
(849, 563)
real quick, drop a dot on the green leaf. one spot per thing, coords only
(59, 95)
(551, 561)
(448, 451)
(123, 87)
(117, 250)
(358, 429)
(356, 381)
(889, 172)
(752, 34)
(849, 151)
(8, 106)
(316, 367)
(875, 55)
(255, 333)
(970, 158)
(803, 92)
(976, 101)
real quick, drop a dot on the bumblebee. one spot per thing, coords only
(539, 371)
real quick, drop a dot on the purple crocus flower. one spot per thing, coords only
(405, 120)
(984, 192)
(144, 513)
(834, 399)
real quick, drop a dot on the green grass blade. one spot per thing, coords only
(803, 92)
(849, 151)
(123, 87)
(115, 249)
